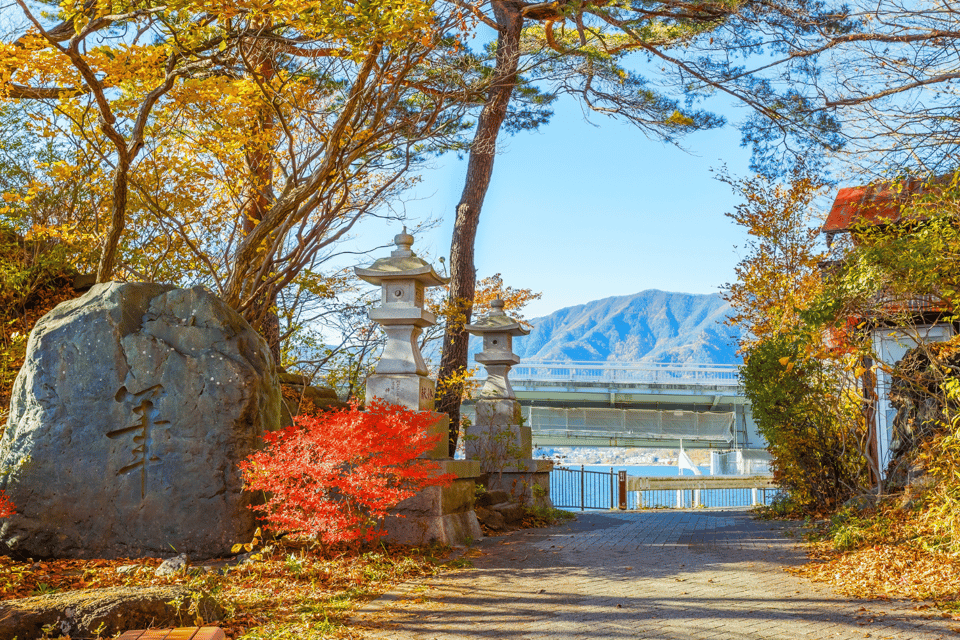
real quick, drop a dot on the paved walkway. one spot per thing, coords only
(671, 575)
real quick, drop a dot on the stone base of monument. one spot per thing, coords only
(439, 429)
(410, 391)
(527, 481)
(440, 514)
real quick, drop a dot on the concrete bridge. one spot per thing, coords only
(639, 404)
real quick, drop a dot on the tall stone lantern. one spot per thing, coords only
(436, 514)
(497, 330)
(401, 374)
(499, 440)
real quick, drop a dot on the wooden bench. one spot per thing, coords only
(183, 633)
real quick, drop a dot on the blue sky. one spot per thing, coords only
(581, 211)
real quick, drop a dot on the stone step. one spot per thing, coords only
(181, 633)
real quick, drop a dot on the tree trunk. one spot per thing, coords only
(870, 419)
(479, 170)
(108, 255)
(270, 330)
(257, 199)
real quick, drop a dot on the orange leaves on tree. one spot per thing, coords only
(493, 287)
(780, 276)
(337, 475)
(806, 408)
(272, 107)
(487, 290)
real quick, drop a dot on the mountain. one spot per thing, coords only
(650, 326)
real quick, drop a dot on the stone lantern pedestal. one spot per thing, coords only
(499, 440)
(436, 514)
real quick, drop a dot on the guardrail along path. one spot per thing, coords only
(671, 575)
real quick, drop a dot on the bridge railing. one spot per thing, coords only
(624, 372)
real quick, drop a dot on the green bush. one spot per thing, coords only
(815, 433)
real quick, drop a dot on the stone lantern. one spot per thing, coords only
(441, 513)
(499, 440)
(497, 331)
(401, 374)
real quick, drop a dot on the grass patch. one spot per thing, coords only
(537, 517)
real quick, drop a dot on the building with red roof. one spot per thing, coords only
(883, 204)
(870, 205)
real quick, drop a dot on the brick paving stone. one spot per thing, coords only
(706, 574)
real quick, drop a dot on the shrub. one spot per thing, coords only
(337, 475)
(811, 422)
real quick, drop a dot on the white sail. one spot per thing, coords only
(684, 462)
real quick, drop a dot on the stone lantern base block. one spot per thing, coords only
(439, 514)
(527, 482)
(497, 411)
(497, 439)
(498, 446)
(410, 391)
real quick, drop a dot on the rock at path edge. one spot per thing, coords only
(127, 422)
(85, 613)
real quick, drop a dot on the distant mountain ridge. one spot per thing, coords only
(650, 326)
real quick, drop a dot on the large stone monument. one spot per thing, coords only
(128, 419)
(436, 514)
(498, 439)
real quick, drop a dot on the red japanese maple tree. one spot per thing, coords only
(338, 474)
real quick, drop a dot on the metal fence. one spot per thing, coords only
(572, 488)
(582, 489)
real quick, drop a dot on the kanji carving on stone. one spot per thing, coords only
(146, 419)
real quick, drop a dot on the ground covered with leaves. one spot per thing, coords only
(284, 589)
(289, 590)
(886, 552)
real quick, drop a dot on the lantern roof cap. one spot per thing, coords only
(403, 263)
(497, 322)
